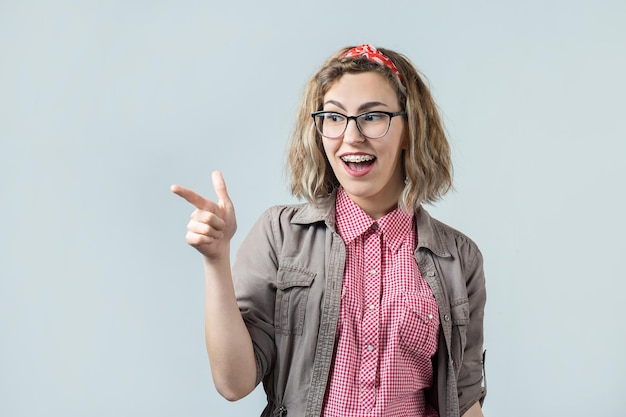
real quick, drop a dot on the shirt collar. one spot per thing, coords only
(396, 225)
(352, 222)
(428, 230)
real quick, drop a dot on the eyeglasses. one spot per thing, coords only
(371, 124)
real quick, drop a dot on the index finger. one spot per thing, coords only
(192, 197)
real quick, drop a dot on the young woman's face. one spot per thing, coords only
(368, 169)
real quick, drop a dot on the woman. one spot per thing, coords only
(356, 303)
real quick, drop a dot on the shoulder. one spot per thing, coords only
(284, 211)
(443, 239)
(302, 213)
(284, 215)
(463, 266)
(451, 234)
(290, 221)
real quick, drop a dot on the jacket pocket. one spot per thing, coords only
(459, 312)
(292, 291)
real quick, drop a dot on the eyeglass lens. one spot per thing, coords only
(372, 125)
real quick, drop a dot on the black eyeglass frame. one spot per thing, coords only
(356, 121)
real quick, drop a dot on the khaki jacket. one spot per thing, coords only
(288, 275)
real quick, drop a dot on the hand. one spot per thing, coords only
(212, 225)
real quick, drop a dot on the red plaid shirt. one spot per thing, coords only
(388, 320)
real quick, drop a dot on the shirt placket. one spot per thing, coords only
(370, 322)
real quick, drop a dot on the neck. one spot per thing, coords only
(379, 205)
(376, 212)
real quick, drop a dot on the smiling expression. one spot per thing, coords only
(369, 170)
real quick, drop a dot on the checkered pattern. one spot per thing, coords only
(388, 320)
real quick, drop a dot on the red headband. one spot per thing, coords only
(372, 54)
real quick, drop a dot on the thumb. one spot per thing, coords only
(220, 188)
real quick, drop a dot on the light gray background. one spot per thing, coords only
(104, 104)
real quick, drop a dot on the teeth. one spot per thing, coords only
(357, 158)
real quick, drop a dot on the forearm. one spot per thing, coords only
(228, 341)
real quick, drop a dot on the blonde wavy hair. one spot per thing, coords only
(427, 165)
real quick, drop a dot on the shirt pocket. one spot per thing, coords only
(459, 312)
(419, 325)
(292, 291)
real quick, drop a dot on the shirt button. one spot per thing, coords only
(370, 348)
(374, 226)
(372, 307)
(372, 272)
(430, 316)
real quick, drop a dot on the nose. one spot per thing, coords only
(352, 133)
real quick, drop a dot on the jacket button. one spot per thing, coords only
(430, 273)
(446, 317)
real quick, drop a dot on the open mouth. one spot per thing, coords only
(358, 162)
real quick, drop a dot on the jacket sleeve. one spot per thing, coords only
(254, 278)
(469, 383)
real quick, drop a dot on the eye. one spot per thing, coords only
(334, 117)
(373, 116)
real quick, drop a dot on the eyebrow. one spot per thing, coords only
(362, 108)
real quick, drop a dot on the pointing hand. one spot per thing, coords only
(212, 225)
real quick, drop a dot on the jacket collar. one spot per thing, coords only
(428, 233)
(322, 211)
